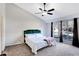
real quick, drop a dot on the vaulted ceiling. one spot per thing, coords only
(62, 10)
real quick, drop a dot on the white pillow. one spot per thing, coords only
(35, 36)
(41, 36)
(30, 36)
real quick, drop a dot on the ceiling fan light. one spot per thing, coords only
(44, 13)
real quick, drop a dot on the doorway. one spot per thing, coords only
(63, 31)
(56, 31)
(67, 31)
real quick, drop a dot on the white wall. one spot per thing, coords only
(18, 20)
(2, 25)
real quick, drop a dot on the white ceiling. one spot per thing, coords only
(61, 9)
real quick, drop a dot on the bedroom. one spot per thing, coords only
(17, 20)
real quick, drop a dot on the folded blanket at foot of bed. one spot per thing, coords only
(49, 41)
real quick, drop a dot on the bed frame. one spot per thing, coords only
(31, 31)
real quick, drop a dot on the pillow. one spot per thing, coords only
(30, 36)
(40, 36)
(35, 36)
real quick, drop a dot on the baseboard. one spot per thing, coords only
(13, 44)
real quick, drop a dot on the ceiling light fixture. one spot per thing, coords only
(44, 11)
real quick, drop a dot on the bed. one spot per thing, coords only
(34, 39)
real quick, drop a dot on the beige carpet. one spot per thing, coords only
(58, 50)
(18, 50)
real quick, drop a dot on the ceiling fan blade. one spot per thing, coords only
(50, 13)
(51, 10)
(40, 9)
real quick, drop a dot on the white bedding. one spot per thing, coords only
(35, 42)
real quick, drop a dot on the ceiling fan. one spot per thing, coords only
(44, 11)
